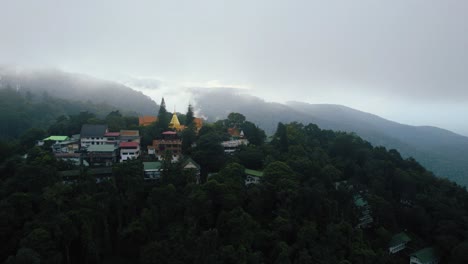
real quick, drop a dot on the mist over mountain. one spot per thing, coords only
(437, 149)
(77, 87)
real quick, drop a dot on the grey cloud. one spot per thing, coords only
(409, 52)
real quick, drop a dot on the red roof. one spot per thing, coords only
(129, 144)
(112, 134)
(169, 133)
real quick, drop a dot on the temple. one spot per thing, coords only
(175, 124)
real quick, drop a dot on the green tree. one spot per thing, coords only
(189, 117)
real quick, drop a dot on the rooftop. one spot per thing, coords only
(189, 163)
(112, 134)
(399, 238)
(359, 201)
(101, 148)
(57, 138)
(156, 165)
(129, 133)
(425, 255)
(88, 130)
(254, 173)
(129, 144)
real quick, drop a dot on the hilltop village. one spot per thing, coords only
(98, 148)
(171, 147)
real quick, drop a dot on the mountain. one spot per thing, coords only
(439, 150)
(76, 87)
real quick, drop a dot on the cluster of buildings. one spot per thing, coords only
(400, 241)
(96, 146)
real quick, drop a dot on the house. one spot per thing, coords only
(190, 165)
(129, 136)
(252, 176)
(101, 155)
(233, 145)
(425, 256)
(52, 140)
(146, 120)
(67, 146)
(112, 138)
(365, 218)
(152, 170)
(398, 242)
(92, 135)
(236, 141)
(170, 143)
(129, 150)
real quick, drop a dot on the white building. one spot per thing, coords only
(129, 150)
(93, 135)
(398, 243)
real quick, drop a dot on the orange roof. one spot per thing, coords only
(131, 133)
(146, 120)
(234, 132)
(198, 122)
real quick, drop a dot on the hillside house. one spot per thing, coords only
(68, 146)
(101, 155)
(398, 242)
(365, 218)
(252, 176)
(235, 142)
(52, 140)
(190, 165)
(129, 136)
(152, 170)
(112, 138)
(129, 150)
(93, 135)
(425, 256)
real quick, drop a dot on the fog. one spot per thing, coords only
(403, 60)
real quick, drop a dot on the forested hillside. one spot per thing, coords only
(441, 151)
(76, 87)
(20, 111)
(302, 211)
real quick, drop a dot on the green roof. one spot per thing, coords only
(254, 173)
(359, 201)
(425, 255)
(57, 138)
(188, 160)
(156, 165)
(101, 148)
(399, 238)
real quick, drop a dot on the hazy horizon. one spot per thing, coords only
(401, 60)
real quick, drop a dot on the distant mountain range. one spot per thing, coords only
(76, 87)
(439, 150)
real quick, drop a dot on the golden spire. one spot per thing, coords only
(174, 122)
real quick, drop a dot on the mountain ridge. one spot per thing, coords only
(440, 150)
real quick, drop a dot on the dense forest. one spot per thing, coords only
(302, 211)
(21, 111)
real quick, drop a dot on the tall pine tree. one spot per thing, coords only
(189, 116)
(163, 117)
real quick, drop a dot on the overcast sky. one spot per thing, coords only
(402, 59)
